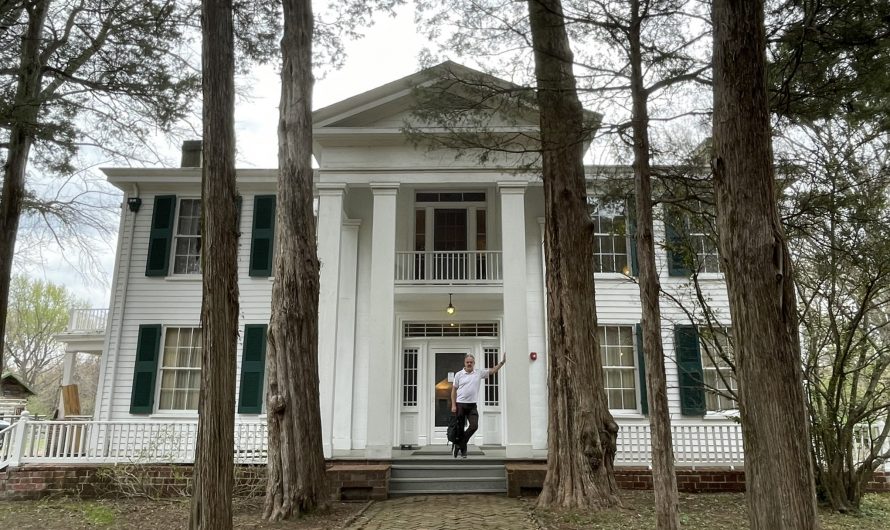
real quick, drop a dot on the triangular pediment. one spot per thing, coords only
(426, 98)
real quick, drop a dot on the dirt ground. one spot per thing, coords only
(701, 511)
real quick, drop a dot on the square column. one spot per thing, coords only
(330, 225)
(381, 383)
(344, 379)
(515, 328)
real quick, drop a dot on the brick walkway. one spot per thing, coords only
(438, 512)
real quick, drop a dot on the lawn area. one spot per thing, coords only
(144, 514)
(707, 511)
(701, 511)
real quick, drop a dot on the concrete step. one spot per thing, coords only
(436, 492)
(450, 485)
(443, 471)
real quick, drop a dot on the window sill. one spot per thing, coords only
(613, 276)
(174, 415)
(184, 278)
(721, 415)
(627, 415)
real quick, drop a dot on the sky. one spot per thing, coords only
(389, 51)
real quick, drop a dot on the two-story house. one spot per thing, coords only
(425, 257)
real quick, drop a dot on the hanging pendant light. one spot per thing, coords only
(450, 309)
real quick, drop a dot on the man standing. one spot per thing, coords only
(465, 394)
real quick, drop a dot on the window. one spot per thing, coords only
(409, 377)
(692, 239)
(610, 236)
(492, 392)
(619, 366)
(187, 247)
(180, 369)
(719, 381)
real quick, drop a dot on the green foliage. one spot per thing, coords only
(831, 58)
(837, 218)
(38, 310)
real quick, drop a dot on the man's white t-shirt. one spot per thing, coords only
(468, 384)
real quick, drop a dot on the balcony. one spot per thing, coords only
(465, 267)
(85, 332)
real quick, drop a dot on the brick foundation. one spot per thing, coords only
(527, 478)
(346, 480)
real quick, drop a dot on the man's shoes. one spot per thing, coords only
(463, 451)
(463, 455)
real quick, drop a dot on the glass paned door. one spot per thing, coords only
(450, 244)
(447, 364)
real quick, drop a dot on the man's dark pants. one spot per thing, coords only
(468, 413)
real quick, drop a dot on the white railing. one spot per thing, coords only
(694, 445)
(82, 320)
(143, 442)
(466, 266)
(865, 438)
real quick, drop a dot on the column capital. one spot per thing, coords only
(384, 188)
(352, 223)
(517, 188)
(329, 189)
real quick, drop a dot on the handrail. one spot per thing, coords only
(459, 266)
(81, 320)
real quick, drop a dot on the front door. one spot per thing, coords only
(447, 364)
(450, 244)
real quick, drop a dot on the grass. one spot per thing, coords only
(717, 511)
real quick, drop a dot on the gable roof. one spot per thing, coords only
(11, 377)
(385, 107)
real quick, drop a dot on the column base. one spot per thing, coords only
(519, 451)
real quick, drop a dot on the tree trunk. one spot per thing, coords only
(296, 469)
(664, 480)
(778, 469)
(581, 433)
(214, 473)
(23, 118)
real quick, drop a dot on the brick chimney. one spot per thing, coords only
(191, 153)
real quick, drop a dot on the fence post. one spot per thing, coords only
(18, 440)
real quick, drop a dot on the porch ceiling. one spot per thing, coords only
(464, 298)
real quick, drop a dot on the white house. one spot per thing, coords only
(404, 231)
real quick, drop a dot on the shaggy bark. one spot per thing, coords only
(296, 471)
(212, 496)
(581, 433)
(778, 469)
(664, 480)
(21, 136)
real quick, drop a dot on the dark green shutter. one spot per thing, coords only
(641, 366)
(676, 253)
(161, 235)
(145, 372)
(253, 365)
(238, 200)
(692, 391)
(632, 232)
(262, 244)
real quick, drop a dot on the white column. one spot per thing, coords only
(343, 377)
(68, 362)
(381, 382)
(515, 329)
(68, 367)
(330, 224)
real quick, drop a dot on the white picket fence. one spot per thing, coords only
(143, 442)
(465, 266)
(30, 441)
(87, 320)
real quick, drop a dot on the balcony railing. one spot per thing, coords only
(465, 266)
(87, 320)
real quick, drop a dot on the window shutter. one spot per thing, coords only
(146, 370)
(253, 365)
(631, 216)
(692, 392)
(161, 235)
(641, 367)
(674, 241)
(262, 242)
